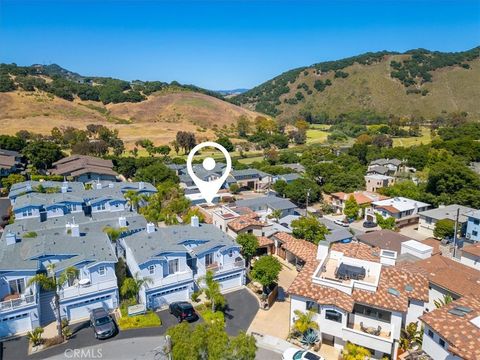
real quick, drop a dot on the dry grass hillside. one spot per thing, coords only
(157, 118)
(370, 87)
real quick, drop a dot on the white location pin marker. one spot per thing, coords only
(209, 189)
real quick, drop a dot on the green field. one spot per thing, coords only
(317, 133)
(411, 141)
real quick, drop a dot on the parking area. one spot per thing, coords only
(242, 307)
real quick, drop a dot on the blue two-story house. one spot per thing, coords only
(175, 258)
(473, 226)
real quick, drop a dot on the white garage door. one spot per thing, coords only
(12, 325)
(164, 298)
(230, 281)
(82, 310)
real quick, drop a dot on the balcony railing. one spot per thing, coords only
(217, 268)
(170, 279)
(382, 342)
(17, 303)
(80, 290)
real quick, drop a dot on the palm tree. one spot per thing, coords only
(131, 286)
(54, 283)
(447, 299)
(212, 290)
(304, 321)
(411, 336)
(133, 199)
(355, 352)
(275, 215)
(114, 233)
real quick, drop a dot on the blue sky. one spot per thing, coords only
(223, 44)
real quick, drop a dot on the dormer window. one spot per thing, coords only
(173, 266)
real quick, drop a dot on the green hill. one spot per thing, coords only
(418, 82)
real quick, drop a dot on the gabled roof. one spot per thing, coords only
(473, 249)
(384, 239)
(448, 212)
(303, 249)
(243, 222)
(394, 162)
(271, 201)
(358, 250)
(459, 329)
(361, 197)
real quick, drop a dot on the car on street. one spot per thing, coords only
(343, 223)
(300, 354)
(369, 224)
(102, 323)
(183, 310)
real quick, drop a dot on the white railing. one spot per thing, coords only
(80, 290)
(217, 268)
(380, 343)
(17, 303)
(170, 279)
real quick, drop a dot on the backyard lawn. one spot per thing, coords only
(411, 141)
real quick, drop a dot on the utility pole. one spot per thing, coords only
(455, 234)
(306, 207)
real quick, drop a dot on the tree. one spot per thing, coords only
(50, 282)
(447, 299)
(163, 150)
(186, 140)
(385, 223)
(304, 321)
(8, 142)
(276, 215)
(309, 228)
(226, 143)
(193, 211)
(42, 154)
(249, 244)
(210, 341)
(131, 286)
(12, 179)
(355, 352)
(411, 336)
(234, 188)
(266, 270)
(212, 291)
(299, 189)
(155, 173)
(133, 199)
(351, 208)
(243, 126)
(279, 186)
(114, 233)
(444, 228)
(175, 146)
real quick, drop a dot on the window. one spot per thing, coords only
(151, 269)
(230, 253)
(474, 233)
(101, 271)
(476, 221)
(372, 312)
(209, 259)
(441, 342)
(172, 266)
(333, 315)
(312, 305)
(430, 333)
(17, 286)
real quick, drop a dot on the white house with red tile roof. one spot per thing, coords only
(471, 255)
(356, 298)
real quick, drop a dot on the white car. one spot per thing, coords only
(342, 223)
(299, 354)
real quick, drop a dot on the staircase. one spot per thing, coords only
(47, 311)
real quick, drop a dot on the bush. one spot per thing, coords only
(195, 295)
(57, 340)
(35, 336)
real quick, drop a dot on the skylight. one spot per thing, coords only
(393, 291)
(408, 288)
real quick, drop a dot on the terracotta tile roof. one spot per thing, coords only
(361, 197)
(473, 249)
(264, 241)
(448, 274)
(395, 287)
(303, 286)
(389, 208)
(459, 332)
(303, 249)
(434, 243)
(243, 222)
(358, 250)
(384, 239)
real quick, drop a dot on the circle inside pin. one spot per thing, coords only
(208, 163)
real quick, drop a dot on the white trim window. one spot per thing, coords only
(17, 286)
(151, 269)
(173, 266)
(102, 271)
(208, 259)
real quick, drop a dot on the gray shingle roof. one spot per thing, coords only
(273, 202)
(448, 212)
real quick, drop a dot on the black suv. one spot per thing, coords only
(102, 323)
(183, 310)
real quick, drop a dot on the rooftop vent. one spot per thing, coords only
(150, 228)
(10, 238)
(98, 186)
(141, 185)
(194, 221)
(122, 221)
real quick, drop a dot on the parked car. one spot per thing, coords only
(102, 323)
(369, 224)
(297, 354)
(183, 310)
(342, 222)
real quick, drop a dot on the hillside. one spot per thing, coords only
(417, 82)
(161, 110)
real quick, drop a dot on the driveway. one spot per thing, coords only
(242, 307)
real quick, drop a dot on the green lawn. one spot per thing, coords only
(411, 141)
(149, 319)
(317, 135)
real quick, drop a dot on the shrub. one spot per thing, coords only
(57, 340)
(195, 295)
(35, 336)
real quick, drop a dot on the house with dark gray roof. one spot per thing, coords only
(84, 168)
(10, 162)
(176, 258)
(265, 205)
(384, 167)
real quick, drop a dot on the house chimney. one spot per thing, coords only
(75, 230)
(141, 185)
(98, 185)
(150, 228)
(194, 221)
(10, 238)
(122, 221)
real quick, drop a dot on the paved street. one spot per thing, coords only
(242, 307)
